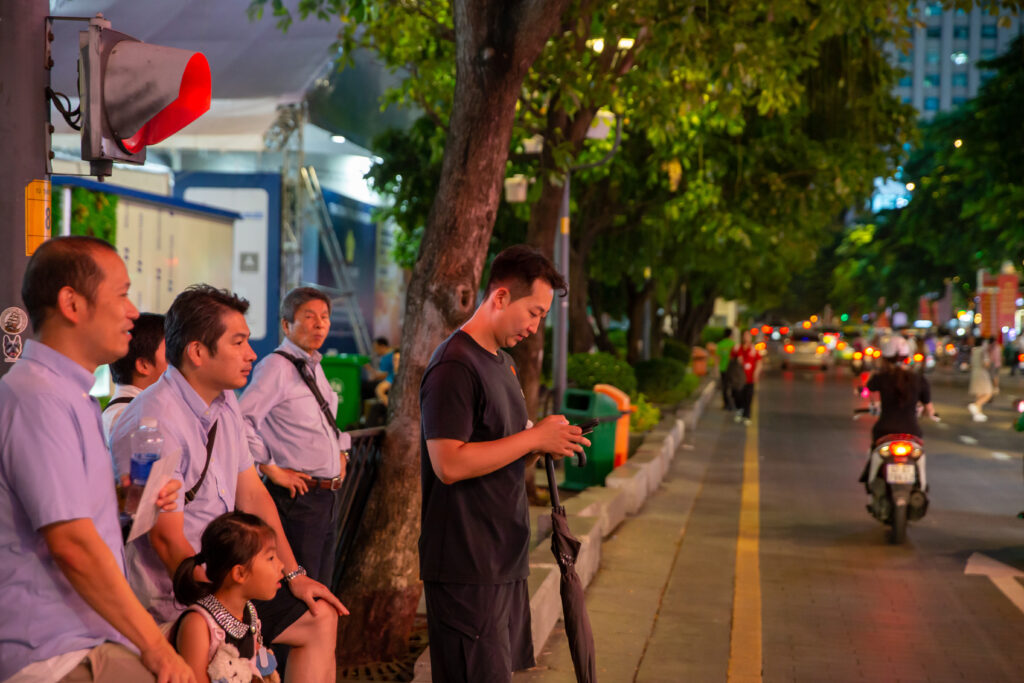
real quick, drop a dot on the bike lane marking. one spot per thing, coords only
(1002, 575)
(745, 638)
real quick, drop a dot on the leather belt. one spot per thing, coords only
(332, 484)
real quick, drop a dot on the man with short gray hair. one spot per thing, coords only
(295, 439)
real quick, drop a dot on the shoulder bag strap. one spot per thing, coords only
(310, 381)
(116, 401)
(211, 436)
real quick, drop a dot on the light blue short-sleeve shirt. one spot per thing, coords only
(54, 467)
(285, 417)
(184, 420)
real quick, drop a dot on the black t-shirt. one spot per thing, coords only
(476, 530)
(899, 417)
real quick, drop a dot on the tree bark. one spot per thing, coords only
(697, 311)
(637, 299)
(496, 43)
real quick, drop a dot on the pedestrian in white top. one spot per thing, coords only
(142, 366)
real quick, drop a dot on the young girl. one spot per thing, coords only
(219, 634)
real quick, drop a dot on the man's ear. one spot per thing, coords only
(143, 367)
(70, 304)
(284, 326)
(196, 353)
(501, 297)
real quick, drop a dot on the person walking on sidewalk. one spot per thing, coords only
(476, 442)
(750, 358)
(995, 361)
(980, 385)
(724, 349)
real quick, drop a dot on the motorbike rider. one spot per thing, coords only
(897, 391)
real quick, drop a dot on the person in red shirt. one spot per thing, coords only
(750, 358)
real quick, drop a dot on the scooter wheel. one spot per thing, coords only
(899, 524)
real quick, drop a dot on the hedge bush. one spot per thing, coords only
(672, 348)
(662, 379)
(587, 369)
(645, 417)
(711, 334)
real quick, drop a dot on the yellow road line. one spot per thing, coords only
(745, 640)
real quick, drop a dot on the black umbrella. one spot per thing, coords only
(566, 548)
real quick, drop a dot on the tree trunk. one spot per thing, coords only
(602, 340)
(495, 45)
(695, 315)
(581, 333)
(637, 299)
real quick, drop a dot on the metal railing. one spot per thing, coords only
(360, 476)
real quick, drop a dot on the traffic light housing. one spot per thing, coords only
(133, 94)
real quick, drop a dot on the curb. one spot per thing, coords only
(594, 515)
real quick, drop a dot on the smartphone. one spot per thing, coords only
(589, 425)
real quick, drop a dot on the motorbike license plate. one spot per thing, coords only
(900, 474)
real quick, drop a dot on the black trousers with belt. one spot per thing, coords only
(310, 522)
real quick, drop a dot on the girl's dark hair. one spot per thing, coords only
(233, 538)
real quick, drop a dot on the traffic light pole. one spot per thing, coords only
(24, 177)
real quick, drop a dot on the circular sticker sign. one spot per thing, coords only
(13, 320)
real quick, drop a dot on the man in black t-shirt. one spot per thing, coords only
(477, 440)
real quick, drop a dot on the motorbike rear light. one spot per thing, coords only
(1020, 358)
(820, 350)
(841, 345)
(754, 331)
(784, 330)
(918, 358)
(767, 329)
(901, 449)
(876, 354)
(950, 349)
(868, 351)
(789, 348)
(760, 346)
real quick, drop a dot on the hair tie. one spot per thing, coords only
(200, 558)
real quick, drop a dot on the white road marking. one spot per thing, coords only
(1002, 575)
(999, 455)
(969, 440)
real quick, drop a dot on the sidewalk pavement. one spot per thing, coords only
(630, 554)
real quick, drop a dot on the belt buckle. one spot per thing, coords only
(336, 483)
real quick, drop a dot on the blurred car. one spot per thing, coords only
(806, 349)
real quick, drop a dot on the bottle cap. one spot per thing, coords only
(148, 422)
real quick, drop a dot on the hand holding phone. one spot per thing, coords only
(589, 425)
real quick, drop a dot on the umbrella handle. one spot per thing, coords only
(549, 463)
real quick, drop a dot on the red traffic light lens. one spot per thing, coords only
(192, 102)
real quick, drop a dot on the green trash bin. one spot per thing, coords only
(344, 373)
(578, 406)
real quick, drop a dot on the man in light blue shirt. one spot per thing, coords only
(296, 440)
(66, 603)
(208, 352)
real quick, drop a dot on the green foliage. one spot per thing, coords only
(646, 416)
(662, 379)
(711, 334)
(672, 348)
(967, 204)
(92, 213)
(587, 369)
(618, 339)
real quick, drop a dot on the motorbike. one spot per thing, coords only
(897, 482)
(864, 361)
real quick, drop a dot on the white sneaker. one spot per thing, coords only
(737, 417)
(746, 422)
(973, 410)
(980, 417)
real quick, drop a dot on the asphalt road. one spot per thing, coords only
(828, 598)
(838, 601)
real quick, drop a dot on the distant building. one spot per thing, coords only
(942, 64)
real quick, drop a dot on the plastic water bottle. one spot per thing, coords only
(147, 443)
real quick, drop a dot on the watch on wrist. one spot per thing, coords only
(298, 571)
(346, 454)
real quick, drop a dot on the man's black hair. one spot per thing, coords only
(295, 299)
(726, 333)
(146, 337)
(197, 314)
(517, 267)
(58, 263)
(381, 341)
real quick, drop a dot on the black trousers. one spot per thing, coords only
(310, 523)
(727, 399)
(478, 632)
(744, 397)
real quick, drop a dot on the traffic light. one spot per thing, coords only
(134, 94)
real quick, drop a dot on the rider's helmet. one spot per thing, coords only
(894, 348)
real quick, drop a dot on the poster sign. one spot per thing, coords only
(37, 214)
(1006, 300)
